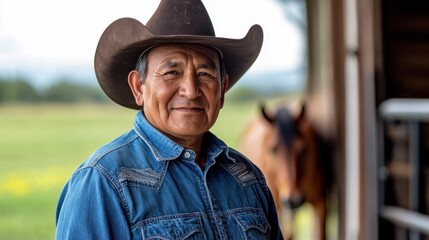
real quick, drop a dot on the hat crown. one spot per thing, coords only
(174, 21)
(181, 17)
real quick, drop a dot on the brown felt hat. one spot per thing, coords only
(174, 21)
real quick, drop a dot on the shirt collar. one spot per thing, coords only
(216, 147)
(163, 148)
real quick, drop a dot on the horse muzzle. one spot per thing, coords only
(293, 202)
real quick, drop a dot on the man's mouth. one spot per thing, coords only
(189, 109)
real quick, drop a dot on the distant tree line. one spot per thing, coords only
(20, 90)
(63, 91)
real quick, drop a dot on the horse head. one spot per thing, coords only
(290, 151)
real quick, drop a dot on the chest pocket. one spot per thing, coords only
(173, 227)
(254, 224)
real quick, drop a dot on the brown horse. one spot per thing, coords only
(295, 161)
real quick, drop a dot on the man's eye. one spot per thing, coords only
(205, 75)
(171, 73)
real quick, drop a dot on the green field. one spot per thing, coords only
(41, 145)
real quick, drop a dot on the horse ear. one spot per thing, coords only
(265, 114)
(303, 110)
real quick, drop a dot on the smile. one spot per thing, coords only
(189, 109)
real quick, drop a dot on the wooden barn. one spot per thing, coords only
(368, 89)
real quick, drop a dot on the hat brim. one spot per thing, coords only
(125, 39)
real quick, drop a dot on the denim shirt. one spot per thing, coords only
(145, 186)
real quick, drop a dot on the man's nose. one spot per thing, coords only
(190, 86)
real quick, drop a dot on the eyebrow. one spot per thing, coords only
(172, 64)
(210, 65)
(169, 64)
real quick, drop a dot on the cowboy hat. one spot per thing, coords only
(174, 21)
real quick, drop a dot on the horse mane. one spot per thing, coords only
(326, 160)
(286, 125)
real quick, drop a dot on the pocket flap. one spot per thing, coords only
(173, 227)
(252, 220)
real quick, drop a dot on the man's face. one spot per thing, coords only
(183, 93)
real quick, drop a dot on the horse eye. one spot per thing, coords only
(274, 149)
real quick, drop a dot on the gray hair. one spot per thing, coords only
(141, 66)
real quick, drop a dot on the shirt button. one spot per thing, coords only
(187, 155)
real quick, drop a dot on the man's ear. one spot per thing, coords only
(225, 84)
(135, 84)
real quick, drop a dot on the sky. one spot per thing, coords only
(46, 37)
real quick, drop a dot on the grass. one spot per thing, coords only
(41, 145)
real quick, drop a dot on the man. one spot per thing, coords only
(169, 177)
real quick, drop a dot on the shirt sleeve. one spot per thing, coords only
(90, 207)
(270, 207)
(276, 232)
